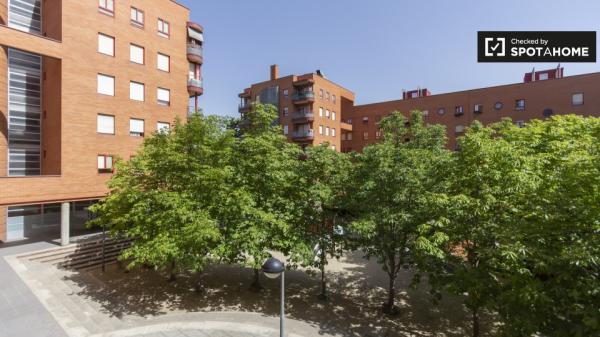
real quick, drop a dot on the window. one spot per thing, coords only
(459, 129)
(285, 111)
(320, 112)
(321, 93)
(326, 131)
(164, 29)
(498, 105)
(105, 163)
(327, 95)
(136, 127)
(543, 76)
(478, 108)
(377, 134)
(425, 113)
(137, 17)
(441, 111)
(286, 93)
(163, 62)
(548, 113)
(365, 135)
(106, 124)
(163, 96)
(136, 54)
(107, 6)
(320, 129)
(333, 115)
(333, 98)
(163, 127)
(577, 99)
(349, 136)
(333, 147)
(520, 124)
(343, 136)
(459, 110)
(332, 132)
(106, 44)
(285, 129)
(349, 121)
(365, 120)
(520, 104)
(327, 113)
(106, 85)
(136, 91)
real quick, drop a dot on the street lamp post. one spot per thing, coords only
(272, 269)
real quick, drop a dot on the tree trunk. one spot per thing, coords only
(199, 286)
(323, 294)
(390, 307)
(475, 322)
(256, 286)
(173, 276)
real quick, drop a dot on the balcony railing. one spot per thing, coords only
(194, 49)
(242, 107)
(303, 116)
(193, 82)
(301, 96)
(303, 134)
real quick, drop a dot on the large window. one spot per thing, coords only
(136, 127)
(137, 17)
(163, 96)
(24, 15)
(136, 54)
(105, 163)
(107, 6)
(520, 104)
(136, 91)
(164, 29)
(106, 44)
(106, 124)
(163, 62)
(106, 85)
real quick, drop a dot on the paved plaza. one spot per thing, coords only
(47, 301)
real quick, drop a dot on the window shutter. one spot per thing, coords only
(163, 62)
(106, 124)
(163, 95)
(106, 85)
(136, 91)
(136, 54)
(136, 125)
(106, 44)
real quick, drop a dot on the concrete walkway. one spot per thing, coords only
(21, 313)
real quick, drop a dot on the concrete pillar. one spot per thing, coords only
(65, 225)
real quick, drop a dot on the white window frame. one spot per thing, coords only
(137, 54)
(161, 28)
(320, 112)
(134, 127)
(327, 113)
(134, 93)
(107, 6)
(326, 131)
(332, 132)
(333, 115)
(106, 85)
(137, 16)
(103, 47)
(105, 163)
(163, 96)
(105, 124)
(160, 62)
(320, 129)
(286, 129)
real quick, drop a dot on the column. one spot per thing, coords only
(64, 223)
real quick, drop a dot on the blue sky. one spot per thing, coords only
(374, 48)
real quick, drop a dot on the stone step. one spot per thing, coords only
(66, 251)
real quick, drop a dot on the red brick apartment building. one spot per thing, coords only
(77, 94)
(314, 110)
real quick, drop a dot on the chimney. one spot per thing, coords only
(274, 72)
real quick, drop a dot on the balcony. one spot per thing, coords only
(302, 117)
(303, 135)
(244, 107)
(346, 126)
(303, 97)
(304, 82)
(194, 53)
(195, 87)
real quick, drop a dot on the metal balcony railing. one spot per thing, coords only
(303, 114)
(303, 134)
(193, 82)
(194, 49)
(300, 96)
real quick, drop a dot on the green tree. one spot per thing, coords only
(167, 197)
(489, 178)
(552, 280)
(396, 183)
(264, 174)
(323, 179)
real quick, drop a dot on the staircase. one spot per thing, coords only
(83, 255)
